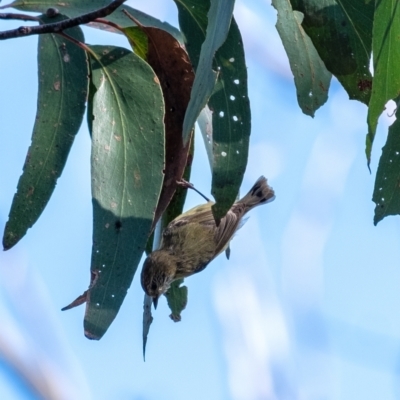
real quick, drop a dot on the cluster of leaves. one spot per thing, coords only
(142, 106)
(141, 109)
(339, 37)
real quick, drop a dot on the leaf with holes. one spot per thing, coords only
(127, 173)
(62, 70)
(311, 77)
(172, 66)
(386, 53)
(229, 102)
(343, 40)
(387, 183)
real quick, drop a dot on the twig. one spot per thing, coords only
(188, 185)
(58, 27)
(22, 17)
(109, 23)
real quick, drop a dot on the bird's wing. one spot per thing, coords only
(225, 230)
(203, 215)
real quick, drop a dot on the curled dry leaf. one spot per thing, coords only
(173, 68)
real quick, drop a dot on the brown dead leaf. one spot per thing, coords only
(173, 68)
(84, 297)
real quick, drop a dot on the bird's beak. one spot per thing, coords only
(155, 302)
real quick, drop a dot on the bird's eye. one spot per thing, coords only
(153, 286)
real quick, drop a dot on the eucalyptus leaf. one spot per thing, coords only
(62, 71)
(387, 183)
(219, 20)
(343, 40)
(127, 173)
(228, 104)
(172, 66)
(311, 77)
(386, 54)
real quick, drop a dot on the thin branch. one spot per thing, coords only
(22, 17)
(58, 27)
(109, 23)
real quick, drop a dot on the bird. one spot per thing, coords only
(193, 239)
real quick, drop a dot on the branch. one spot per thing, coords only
(22, 17)
(58, 27)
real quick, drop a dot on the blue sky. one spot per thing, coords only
(306, 308)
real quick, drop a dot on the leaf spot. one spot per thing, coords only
(30, 191)
(223, 154)
(57, 85)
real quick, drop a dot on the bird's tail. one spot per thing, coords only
(260, 193)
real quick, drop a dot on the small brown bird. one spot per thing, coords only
(193, 239)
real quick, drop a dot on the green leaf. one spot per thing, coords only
(360, 14)
(205, 123)
(229, 103)
(177, 297)
(231, 123)
(311, 77)
(127, 174)
(147, 321)
(219, 20)
(193, 21)
(387, 183)
(343, 39)
(75, 8)
(386, 53)
(138, 40)
(63, 70)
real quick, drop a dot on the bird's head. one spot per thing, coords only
(157, 274)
